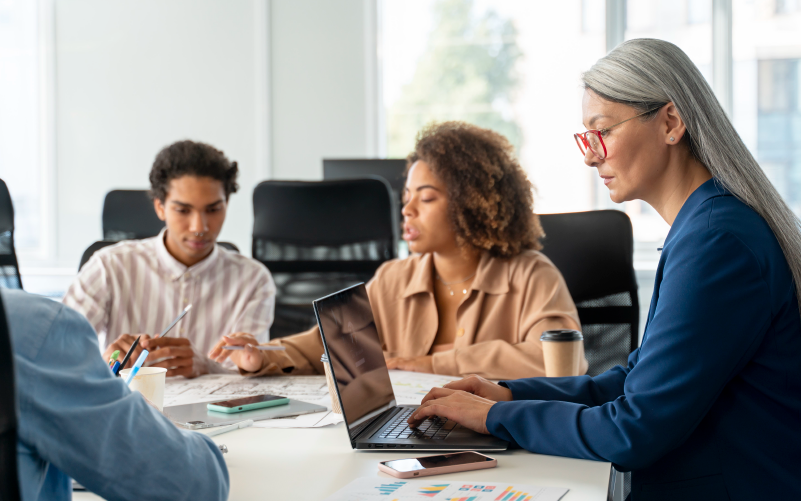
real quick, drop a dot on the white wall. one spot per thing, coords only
(321, 94)
(132, 77)
(277, 85)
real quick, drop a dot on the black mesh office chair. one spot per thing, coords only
(9, 482)
(9, 268)
(319, 237)
(595, 253)
(129, 215)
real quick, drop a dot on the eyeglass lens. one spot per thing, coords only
(595, 144)
(594, 141)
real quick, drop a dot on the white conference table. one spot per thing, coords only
(312, 464)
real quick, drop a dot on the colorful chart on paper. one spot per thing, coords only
(381, 489)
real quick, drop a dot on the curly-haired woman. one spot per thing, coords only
(476, 294)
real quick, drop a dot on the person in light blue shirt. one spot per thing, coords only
(77, 420)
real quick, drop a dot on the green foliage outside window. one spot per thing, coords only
(467, 72)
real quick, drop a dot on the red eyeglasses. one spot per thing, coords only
(592, 139)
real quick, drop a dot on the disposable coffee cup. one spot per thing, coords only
(562, 352)
(329, 378)
(149, 381)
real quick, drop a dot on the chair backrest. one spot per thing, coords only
(9, 482)
(391, 169)
(87, 254)
(9, 267)
(328, 226)
(319, 237)
(129, 214)
(594, 251)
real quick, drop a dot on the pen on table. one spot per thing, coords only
(262, 347)
(136, 343)
(226, 429)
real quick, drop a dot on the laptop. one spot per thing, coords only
(361, 380)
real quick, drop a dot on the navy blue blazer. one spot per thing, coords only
(709, 406)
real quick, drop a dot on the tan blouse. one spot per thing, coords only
(509, 304)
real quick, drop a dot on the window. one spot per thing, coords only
(510, 65)
(514, 66)
(767, 90)
(21, 122)
(787, 6)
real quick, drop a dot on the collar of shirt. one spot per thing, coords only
(175, 268)
(709, 189)
(492, 276)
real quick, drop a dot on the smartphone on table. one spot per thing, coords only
(435, 465)
(247, 403)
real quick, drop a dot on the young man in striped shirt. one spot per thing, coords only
(136, 287)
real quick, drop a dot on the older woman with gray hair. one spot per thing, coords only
(709, 406)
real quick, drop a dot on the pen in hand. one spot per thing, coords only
(128, 355)
(144, 352)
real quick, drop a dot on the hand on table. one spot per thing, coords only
(249, 360)
(414, 364)
(477, 385)
(174, 354)
(467, 409)
(123, 343)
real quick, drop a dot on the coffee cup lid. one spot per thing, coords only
(561, 335)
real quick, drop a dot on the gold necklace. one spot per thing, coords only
(448, 284)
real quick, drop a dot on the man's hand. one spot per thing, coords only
(249, 360)
(123, 343)
(174, 354)
(414, 364)
(465, 408)
(477, 385)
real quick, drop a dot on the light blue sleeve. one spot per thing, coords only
(81, 419)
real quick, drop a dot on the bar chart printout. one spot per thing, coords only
(432, 490)
(387, 489)
(382, 489)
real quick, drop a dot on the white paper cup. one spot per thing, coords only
(329, 378)
(149, 381)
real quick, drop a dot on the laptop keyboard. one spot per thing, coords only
(434, 428)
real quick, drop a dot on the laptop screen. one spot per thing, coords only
(355, 355)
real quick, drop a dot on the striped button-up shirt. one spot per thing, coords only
(138, 287)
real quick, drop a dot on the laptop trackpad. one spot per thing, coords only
(461, 432)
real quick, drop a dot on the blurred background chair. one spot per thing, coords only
(319, 237)
(9, 267)
(595, 253)
(391, 169)
(129, 215)
(9, 482)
